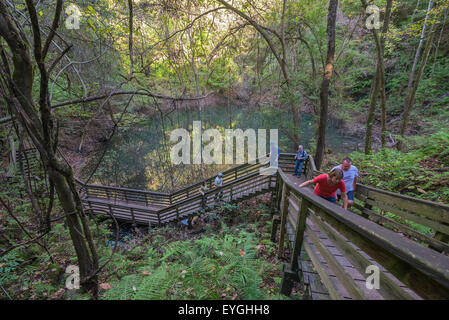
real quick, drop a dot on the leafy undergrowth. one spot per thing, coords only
(233, 258)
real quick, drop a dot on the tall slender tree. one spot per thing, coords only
(412, 82)
(17, 81)
(378, 82)
(327, 75)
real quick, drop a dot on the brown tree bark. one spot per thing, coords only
(328, 70)
(41, 130)
(411, 97)
(412, 82)
(378, 83)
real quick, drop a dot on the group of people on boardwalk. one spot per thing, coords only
(339, 183)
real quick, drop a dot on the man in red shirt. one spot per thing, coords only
(327, 185)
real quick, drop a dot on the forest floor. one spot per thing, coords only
(229, 257)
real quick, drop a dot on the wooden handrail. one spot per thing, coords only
(188, 192)
(410, 262)
(212, 191)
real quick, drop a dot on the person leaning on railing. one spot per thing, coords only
(350, 177)
(327, 185)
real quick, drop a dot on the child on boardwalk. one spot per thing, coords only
(202, 190)
(218, 184)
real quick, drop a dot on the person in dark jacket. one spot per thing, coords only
(300, 157)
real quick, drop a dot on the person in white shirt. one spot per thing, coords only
(218, 184)
(350, 177)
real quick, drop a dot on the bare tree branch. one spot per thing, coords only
(142, 92)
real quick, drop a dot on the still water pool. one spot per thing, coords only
(139, 155)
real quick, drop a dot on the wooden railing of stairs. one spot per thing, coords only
(333, 251)
(156, 208)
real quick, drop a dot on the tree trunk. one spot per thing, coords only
(41, 130)
(371, 109)
(411, 98)
(328, 70)
(383, 96)
(410, 87)
(378, 83)
(85, 263)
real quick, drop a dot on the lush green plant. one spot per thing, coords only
(223, 266)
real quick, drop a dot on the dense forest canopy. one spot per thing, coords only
(91, 83)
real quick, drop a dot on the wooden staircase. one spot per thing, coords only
(155, 208)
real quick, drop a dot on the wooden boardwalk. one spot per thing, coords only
(331, 249)
(146, 207)
(312, 278)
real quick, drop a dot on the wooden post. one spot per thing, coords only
(110, 210)
(274, 194)
(279, 193)
(91, 212)
(284, 213)
(133, 219)
(367, 206)
(274, 227)
(289, 277)
(299, 236)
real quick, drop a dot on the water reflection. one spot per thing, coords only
(139, 156)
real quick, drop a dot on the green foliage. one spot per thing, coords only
(216, 267)
(8, 266)
(419, 172)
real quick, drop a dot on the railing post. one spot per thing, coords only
(170, 199)
(110, 210)
(299, 236)
(279, 193)
(133, 219)
(274, 202)
(274, 193)
(284, 213)
(177, 212)
(91, 211)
